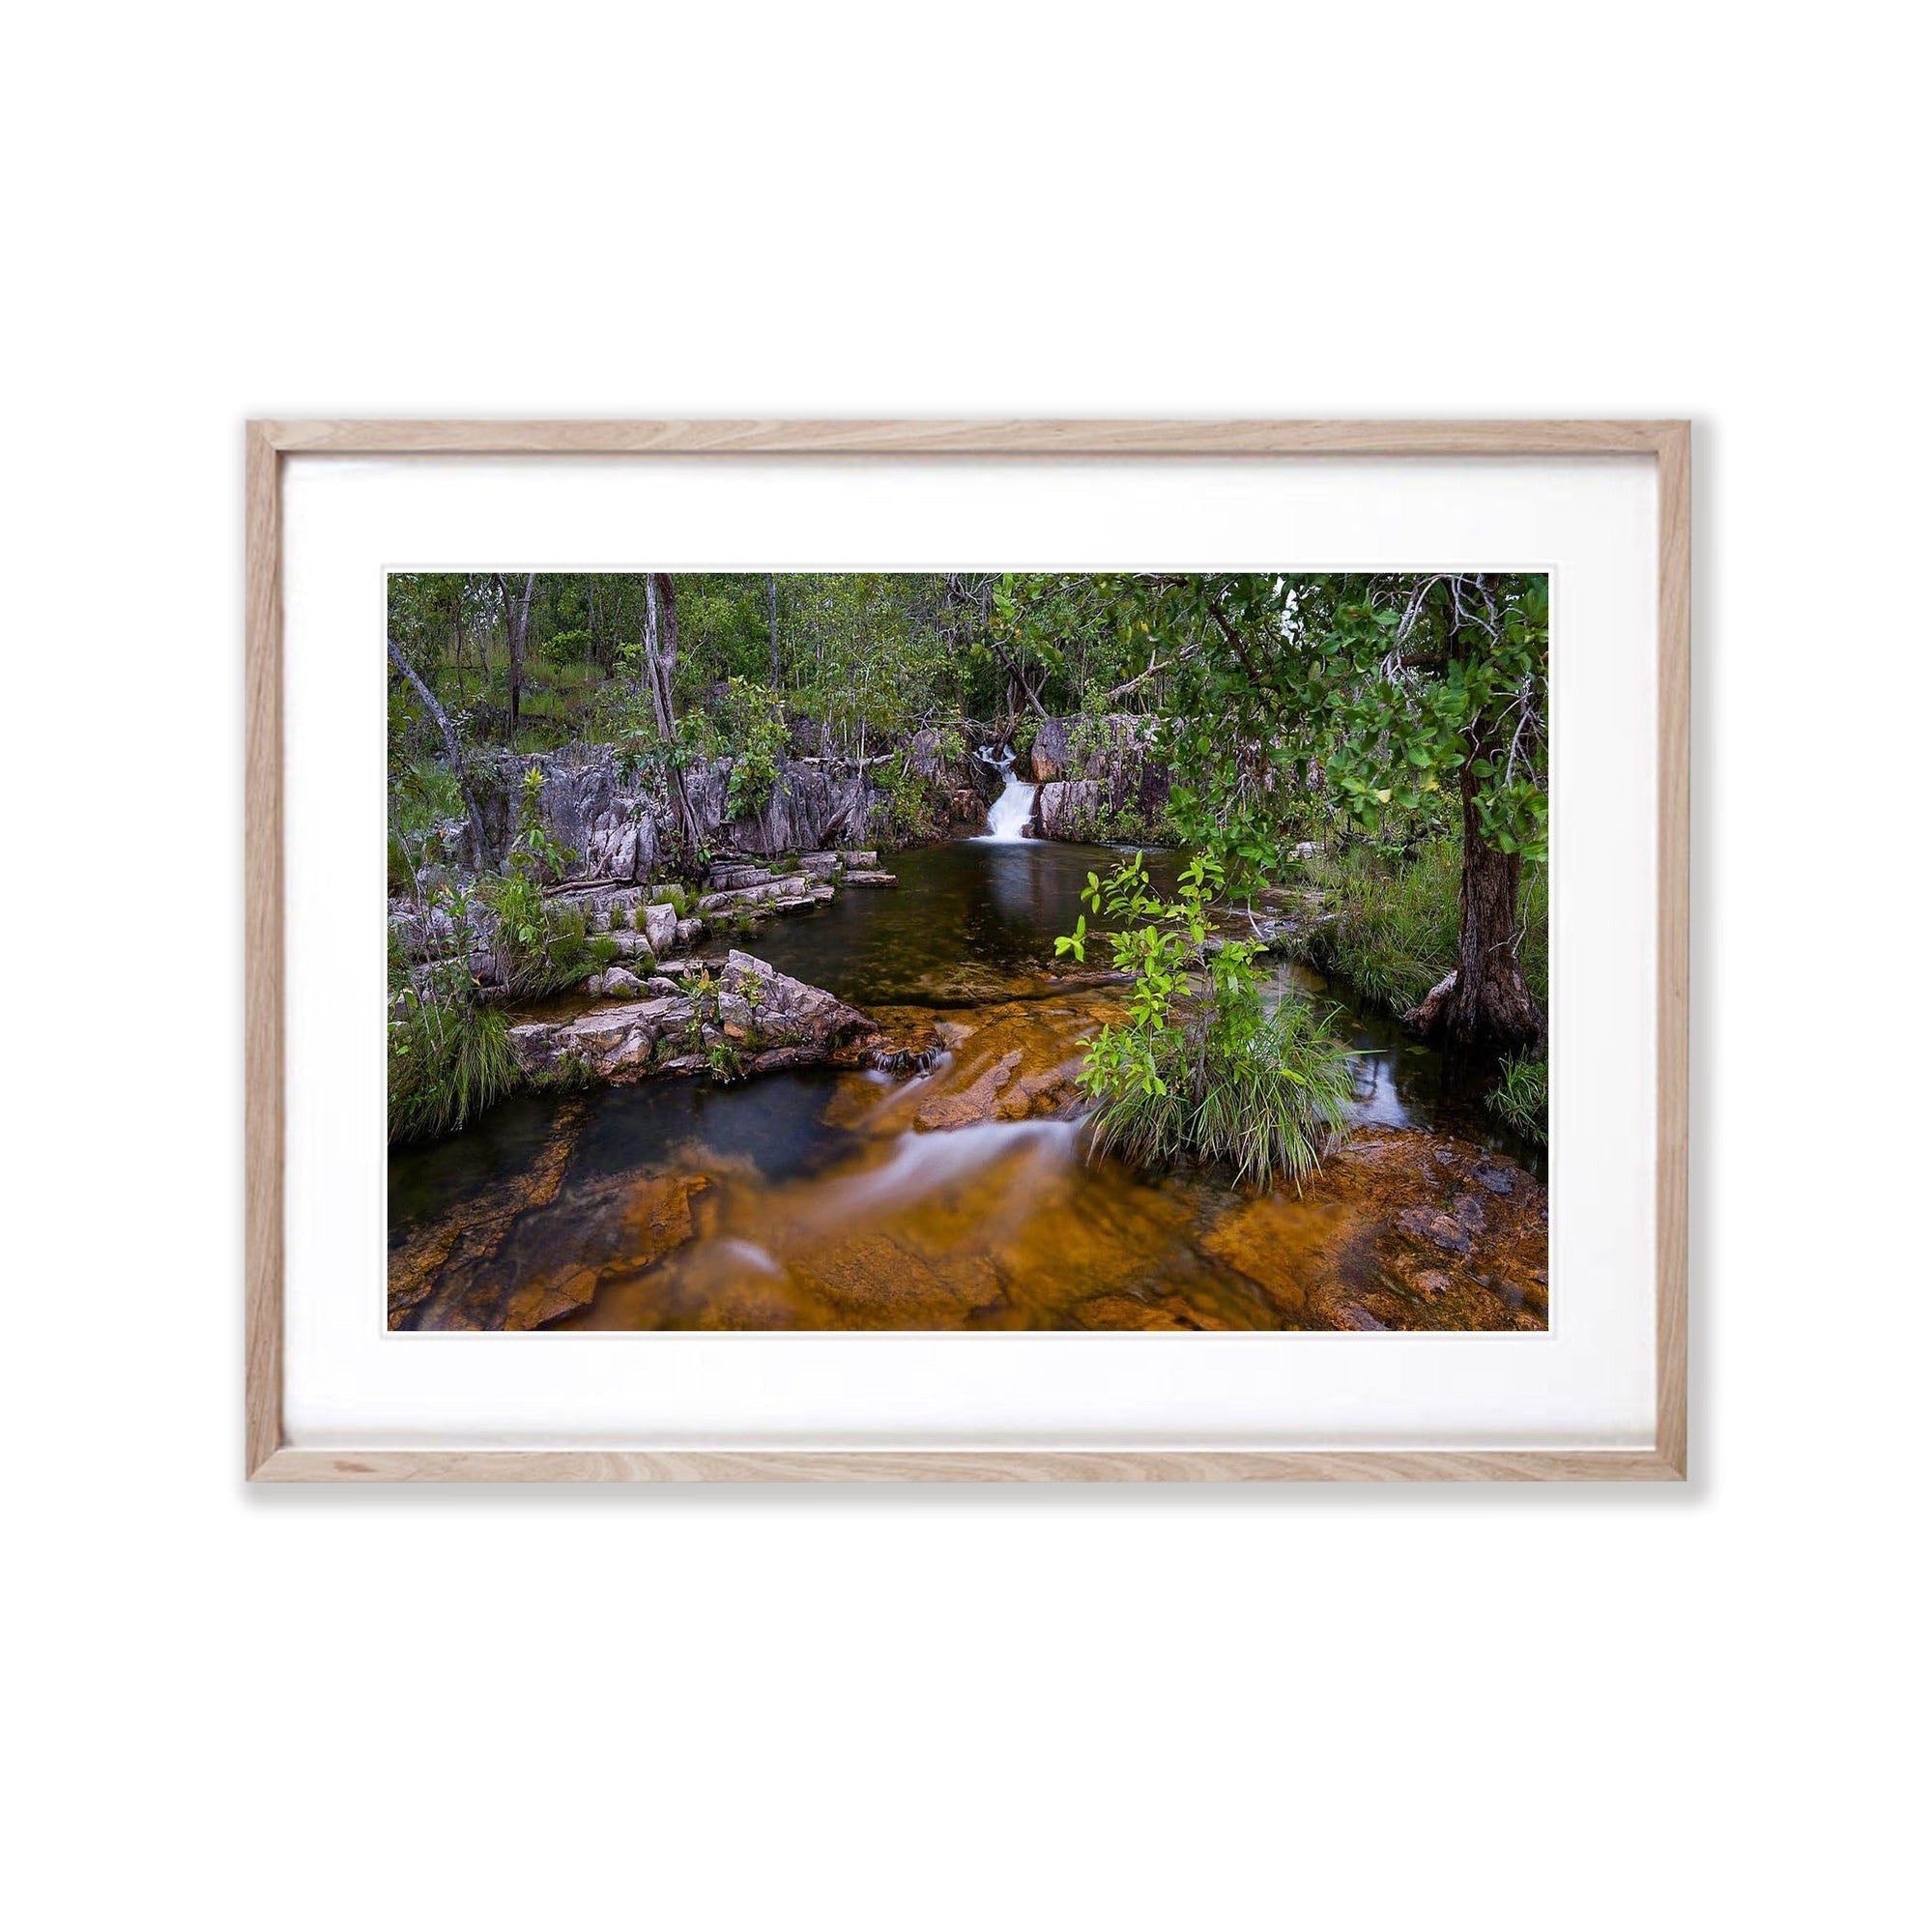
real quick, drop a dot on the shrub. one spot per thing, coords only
(910, 815)
(754, 734)
(1203, 1068)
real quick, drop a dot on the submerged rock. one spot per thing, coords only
(1373, 1236)
(536, 1255)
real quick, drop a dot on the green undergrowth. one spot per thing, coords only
(1393, 919)
(448, 1061)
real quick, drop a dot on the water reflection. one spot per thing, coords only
(821, 1199)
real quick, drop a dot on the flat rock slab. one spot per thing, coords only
(751, 1005)
(773, 892)
(871, 878)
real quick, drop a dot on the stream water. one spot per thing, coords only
(958, 1196)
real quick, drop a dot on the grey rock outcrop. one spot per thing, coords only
(1069, 808)
(1110, 754)
(768, 1018)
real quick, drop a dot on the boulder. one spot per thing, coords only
(690, 932)
(618, 984)
(614, 1042)
(779, 1021)
(1110, 752)
(660, 927)
(1067, 809)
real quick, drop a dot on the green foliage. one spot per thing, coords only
(910, 817)
(540, 948)
(448, 1059)
(1388, 919)
(1521, 1096)
(1203, 1069)
(567, 646)
(674, 896)
(755, 737)
(1378, 693)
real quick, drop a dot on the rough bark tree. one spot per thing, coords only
(1485, 1001)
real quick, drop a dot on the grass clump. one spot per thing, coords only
(1521, 1098)
(1396, 917)
(538, 949)
(1203, 1069)
(448, 1061)
(674, 896)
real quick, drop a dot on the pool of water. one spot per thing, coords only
(961, 1197)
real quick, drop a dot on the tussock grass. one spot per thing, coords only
(1521, 1097)
(1396, 917)
(448, 1061)
(1266, 1099)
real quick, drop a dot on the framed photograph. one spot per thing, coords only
(967, 951)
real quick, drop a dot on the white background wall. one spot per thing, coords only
(1214, 1710)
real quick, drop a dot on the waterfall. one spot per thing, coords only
(1014, 806)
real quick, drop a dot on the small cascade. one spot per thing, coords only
(1007, 819)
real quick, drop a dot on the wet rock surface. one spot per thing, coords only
(924, 1166)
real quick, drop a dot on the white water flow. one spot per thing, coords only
(1011, 810)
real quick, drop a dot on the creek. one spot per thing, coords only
(961, 1196)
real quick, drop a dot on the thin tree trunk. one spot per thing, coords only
(451, 745)
(517, 627)
(660, 663)
(771, 590)
(659, 703)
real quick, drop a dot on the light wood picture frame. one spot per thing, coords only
(270, 1458)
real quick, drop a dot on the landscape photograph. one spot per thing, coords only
(1159, 951)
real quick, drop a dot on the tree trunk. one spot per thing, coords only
(453, 747)
(771, 590)
(660, 662)
(517, 627)
(1485, 1001)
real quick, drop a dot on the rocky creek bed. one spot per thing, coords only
(908, 1153)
